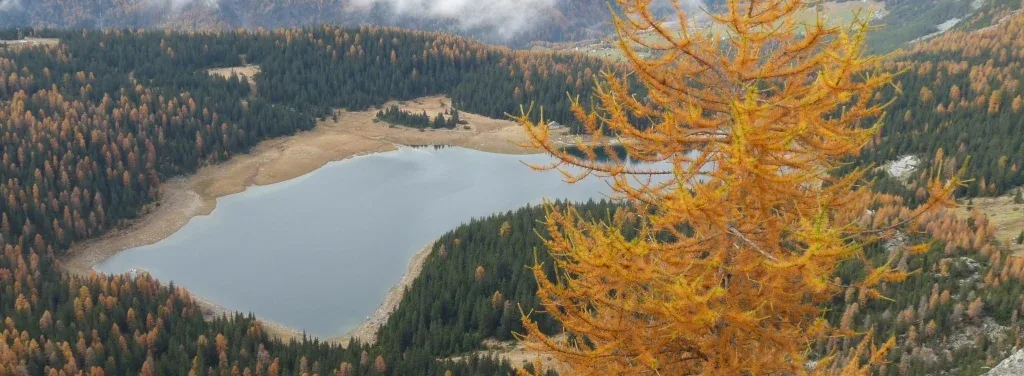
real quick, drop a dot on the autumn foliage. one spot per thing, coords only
(961, 87)
(740, 236)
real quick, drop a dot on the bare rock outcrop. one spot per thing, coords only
(1011, 366)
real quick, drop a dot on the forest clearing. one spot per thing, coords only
(29, 42)
(516, 353)
(1006, 213)
(246, 71)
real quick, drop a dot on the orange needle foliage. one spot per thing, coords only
(739, 240)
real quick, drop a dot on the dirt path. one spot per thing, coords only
(277, 160)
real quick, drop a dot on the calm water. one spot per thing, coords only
(320, 252)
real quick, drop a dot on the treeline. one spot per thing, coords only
(962, 98)
(397, 116)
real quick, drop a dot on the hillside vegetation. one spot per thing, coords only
(957, 316)
(962, 98)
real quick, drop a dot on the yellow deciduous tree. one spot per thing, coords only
(505, 230)
(738, 239)
(994, 101)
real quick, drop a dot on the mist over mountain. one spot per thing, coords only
(508, 22)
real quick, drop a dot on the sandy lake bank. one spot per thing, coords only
(280, 159)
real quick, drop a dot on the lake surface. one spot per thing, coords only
(320, 252)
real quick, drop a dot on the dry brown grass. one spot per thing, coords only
(484, 133)
(1006, 216)
(517, 355)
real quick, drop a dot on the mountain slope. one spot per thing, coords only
(962, 97)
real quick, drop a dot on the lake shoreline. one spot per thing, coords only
(367, 331)
(276, 160)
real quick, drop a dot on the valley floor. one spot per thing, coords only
(277, 160)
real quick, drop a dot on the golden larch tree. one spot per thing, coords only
(740, 233)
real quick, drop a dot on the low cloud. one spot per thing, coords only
(177, 5)
(6, 5)
(506, 17)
